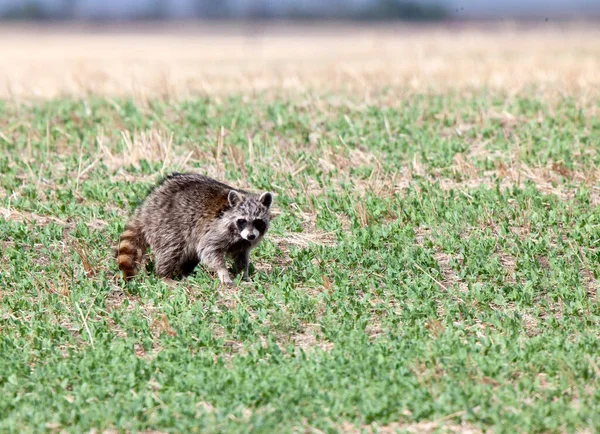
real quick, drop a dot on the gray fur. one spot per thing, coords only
(189, 219)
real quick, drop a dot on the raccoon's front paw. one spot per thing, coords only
(224, 277)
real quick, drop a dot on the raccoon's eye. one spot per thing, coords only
(241, 223)
(259, 224)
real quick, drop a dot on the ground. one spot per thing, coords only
(432, 268)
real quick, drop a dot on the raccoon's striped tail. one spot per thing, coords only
(132, 246)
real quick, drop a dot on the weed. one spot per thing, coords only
(425, 270)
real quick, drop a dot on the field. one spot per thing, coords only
(433, 266)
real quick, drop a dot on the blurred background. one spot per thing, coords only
(174, 48)
(297, 9)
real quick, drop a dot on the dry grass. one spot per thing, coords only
(175, 61)
(152, 145)
(443, 425)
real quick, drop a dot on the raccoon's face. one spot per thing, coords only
(250, 215)
(251, 230)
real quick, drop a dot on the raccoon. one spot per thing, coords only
(189, 219)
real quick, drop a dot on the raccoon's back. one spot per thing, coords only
(183, 205)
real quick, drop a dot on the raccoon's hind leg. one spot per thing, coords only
(167, 262)
(174, 260)
(132, 246)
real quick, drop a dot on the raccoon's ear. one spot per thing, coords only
(234, 197)
(266, 199)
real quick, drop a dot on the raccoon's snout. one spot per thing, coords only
(249, 234)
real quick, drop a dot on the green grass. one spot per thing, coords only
(434, 261)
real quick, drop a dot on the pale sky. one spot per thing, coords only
(456, 7)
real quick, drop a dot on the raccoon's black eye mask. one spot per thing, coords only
(259, 224)
(241, 224)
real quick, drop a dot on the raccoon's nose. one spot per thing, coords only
(251, 236)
